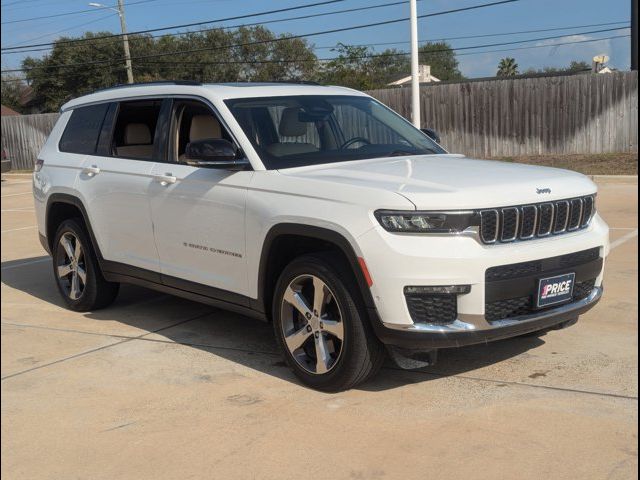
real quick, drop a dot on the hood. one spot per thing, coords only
(452, 182)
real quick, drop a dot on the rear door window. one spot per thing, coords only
(134, 134)
(83, 129)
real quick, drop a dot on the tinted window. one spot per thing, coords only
(135, 129)
(83, 129)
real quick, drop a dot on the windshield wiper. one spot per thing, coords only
(400, 153)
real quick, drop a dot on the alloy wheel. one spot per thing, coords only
(71, 268)
(312, 324)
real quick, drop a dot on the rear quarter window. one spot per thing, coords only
(83, 129)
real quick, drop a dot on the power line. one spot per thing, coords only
(465, 37)
(547, 46)
(184, 25)
(95, 20)
(22, 20)
(281, 38)
(173, 65)
(484, 35)
(230, 27)
(380, 55)
(394, 54)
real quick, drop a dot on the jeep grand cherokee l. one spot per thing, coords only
(317, 209)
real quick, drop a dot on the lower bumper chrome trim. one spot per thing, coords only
(462, 324)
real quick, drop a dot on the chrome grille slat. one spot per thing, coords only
(575, 214)
(562, 216)
(587, 213)
(545, 225)
(526, 222)
(509, 223)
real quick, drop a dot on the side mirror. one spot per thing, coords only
(213, 153)
(432, 134)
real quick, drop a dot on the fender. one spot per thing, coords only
(76, 202)
(320, 233)
(107, 267)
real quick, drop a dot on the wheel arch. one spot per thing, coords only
(62, 206)
(281, 236)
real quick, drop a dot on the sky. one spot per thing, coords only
(519, 16)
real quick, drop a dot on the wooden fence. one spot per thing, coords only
(589, 113)
(24, 135)
(586, 113)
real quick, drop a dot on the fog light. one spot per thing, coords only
(438, 290)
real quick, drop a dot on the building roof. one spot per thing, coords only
(6, 111)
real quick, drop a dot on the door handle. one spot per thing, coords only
(91, 171)
(165, 179)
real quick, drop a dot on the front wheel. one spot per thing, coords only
(321, 325)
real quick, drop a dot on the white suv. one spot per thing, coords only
(318, 209)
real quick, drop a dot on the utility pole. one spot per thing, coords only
(125, 38)
(634, 34)
(125, 41)
(415, 69)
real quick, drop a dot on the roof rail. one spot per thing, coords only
(299, 82)
(156, 82)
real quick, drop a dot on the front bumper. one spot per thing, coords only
(461, 333)
(422, 260)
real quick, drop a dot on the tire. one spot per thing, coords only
(340, 328)
(79, 280)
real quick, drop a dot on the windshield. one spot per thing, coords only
(295, 131)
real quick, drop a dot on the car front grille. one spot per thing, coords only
(524, 222)
(440, 309)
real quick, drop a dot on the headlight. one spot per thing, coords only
(426, 222)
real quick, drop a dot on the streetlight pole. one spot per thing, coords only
(125, 38)
(634, 34)
(415, 68)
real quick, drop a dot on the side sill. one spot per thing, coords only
(196, 297)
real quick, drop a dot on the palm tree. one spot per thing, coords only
(507, 67)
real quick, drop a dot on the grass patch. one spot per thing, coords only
(588, 164)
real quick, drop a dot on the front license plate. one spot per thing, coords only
(558, 289)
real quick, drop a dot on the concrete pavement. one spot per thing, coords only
(159, 387)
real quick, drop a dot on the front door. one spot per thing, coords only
(199, 213)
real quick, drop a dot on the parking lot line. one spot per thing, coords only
(15, 194)
(17, 229)
(87, 352)
(24, 264)
(624, 239)
(126, 338)
(522, 384)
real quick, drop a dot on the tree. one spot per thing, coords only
(574, 67)
(442, 59)
(579, 66)
(361, 68)
(507, 67)
(73, 69)
(13, 90)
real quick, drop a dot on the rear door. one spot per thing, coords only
(115, 184)
(199, 213)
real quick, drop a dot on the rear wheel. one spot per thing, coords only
(76, 270)
(321, 325)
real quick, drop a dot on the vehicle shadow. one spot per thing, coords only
(234, 337)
